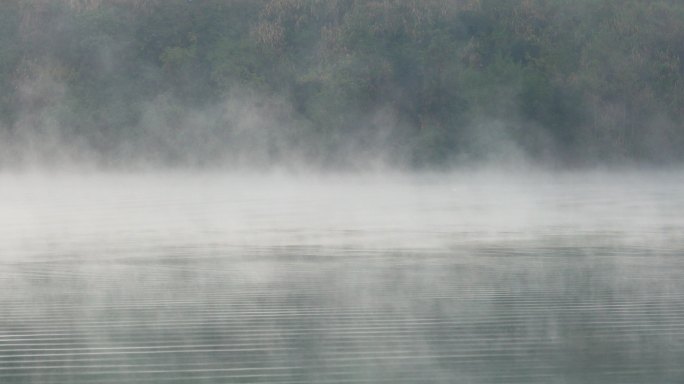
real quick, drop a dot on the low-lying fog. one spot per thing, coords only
(439, 212)
(464, 277)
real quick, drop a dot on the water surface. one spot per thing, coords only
(468, 278)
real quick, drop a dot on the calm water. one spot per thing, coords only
(477, 278)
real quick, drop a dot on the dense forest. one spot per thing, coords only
(341, 83)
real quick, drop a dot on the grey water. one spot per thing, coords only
(453, 278)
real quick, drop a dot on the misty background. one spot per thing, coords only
(340, 84)
(339, 191)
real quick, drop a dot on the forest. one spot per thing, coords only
(351, 84)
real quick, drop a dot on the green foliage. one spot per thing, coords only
(595, 80)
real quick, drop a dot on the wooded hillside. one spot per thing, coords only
(414, 83)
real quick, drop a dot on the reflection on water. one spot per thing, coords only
(468, 279)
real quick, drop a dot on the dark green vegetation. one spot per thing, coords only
(416, 83)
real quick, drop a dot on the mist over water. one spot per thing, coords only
(475, 277)
(341, 191)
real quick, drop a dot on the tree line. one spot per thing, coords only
(417, 83)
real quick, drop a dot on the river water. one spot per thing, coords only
(459, 278)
